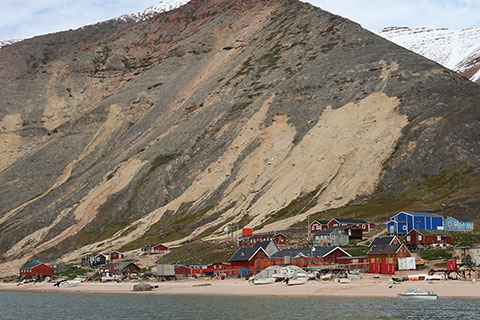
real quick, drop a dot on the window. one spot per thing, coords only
(456, 223)
(449, 224)
(363, 226)
(439, 238)
(419, 238)
(461, 223)
(409, 238)
(404, 227)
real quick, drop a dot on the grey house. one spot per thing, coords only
(330, 237)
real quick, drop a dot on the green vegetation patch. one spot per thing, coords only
(172, 227)
(72, 273)
(357, 251)
(431, 192)
(200, 252)
(466, 239)
(302, 204)
(435, 254)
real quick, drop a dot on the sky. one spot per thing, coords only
(21, 19)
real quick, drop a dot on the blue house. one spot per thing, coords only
(458, 224)
(404, 222)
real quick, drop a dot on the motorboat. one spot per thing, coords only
(296, 281)
(264, 281)
(67, 284)
(418, 294)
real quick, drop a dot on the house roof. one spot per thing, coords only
(121, 266)
(327, 232)
(423, 214)
(461, 219)
(32, 263)
(432, 233)
(320, 221)
(386, 240)
(307, 252)
(246, 254)
(353, 221)
(262, 244)
(385, 249)
(107, 266)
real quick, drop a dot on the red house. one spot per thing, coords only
(277, 238)
(107, 269)
(183, 271)
(115, 255)
(35, 268)
(318, 225)
(154, 249)
(247, 257)
(428, 238)
(364, 225)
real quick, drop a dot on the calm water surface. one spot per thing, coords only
(22, 305)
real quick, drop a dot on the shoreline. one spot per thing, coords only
(368, 287)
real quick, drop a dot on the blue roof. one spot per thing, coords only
(423, 214)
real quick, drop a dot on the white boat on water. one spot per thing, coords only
(418, 294)
(264, 281)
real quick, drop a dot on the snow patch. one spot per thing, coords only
(457, 50)
(162, 6)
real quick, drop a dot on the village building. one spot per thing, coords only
(59, 267)
(116, 255)
(467, 254)
(362, 224)
(385, 240)
(427, 238)
(247, 257)
(388, 254)
(107, 270)
(35, 268)
(318, 225)
(327, 253)
(183, 271)
(269, 246)
(127, 269)
(330, 237)
(154, 249)
(94, 259)
(404, 222)
(458, 224)
(277, 238)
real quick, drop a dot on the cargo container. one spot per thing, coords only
(165, 270)
(406, 263)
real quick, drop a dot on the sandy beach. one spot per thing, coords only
(366, 287)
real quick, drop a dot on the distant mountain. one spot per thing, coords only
(255, 113)
(7, 42)
(162, 6)
(458, 50)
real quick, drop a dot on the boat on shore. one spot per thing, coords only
(296, 281)
(264, 281)
(67, 284)
(418, 294)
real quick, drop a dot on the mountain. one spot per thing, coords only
(251, 113)
(458, 50)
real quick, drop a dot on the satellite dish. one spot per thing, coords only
(226, 230)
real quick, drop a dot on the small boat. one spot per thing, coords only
(67, 284)
(297, 281)
(418, 294)
(263, 281)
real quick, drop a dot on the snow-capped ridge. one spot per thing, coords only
(162, 6)
(458, 50)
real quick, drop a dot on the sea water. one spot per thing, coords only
(20, 305)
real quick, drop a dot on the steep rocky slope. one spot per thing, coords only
(458, 50)
(256, 113)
